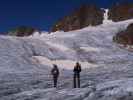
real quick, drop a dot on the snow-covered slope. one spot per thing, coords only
(107, 74)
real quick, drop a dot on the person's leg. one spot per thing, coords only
(55, 81)
(74, 81)
(78, 76)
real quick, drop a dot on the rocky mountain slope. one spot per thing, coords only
(121, 12)
(90, 15)
(107, 74)
(125, 37)
(84, 16)
(22, 31)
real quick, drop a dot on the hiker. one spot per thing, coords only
(55, 73)
(76, 78)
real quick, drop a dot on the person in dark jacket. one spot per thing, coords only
(55, 73)
(76, 78)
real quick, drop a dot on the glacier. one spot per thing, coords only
(25, 64)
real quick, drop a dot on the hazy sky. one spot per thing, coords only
(40, 13)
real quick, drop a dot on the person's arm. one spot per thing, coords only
(58, 72)
(80, 68)
(52, 71)
(74, 69)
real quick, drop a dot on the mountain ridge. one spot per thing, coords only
(92, 16)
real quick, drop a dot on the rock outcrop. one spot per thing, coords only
(84, 16)
(125, 37)
(121, 12)
(22, 31)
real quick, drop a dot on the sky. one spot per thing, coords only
(41, 14)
